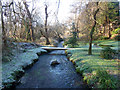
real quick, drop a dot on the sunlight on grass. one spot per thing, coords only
(88, 63)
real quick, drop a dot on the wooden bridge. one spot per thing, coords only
(56, 48)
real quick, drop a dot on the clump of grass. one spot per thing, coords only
(105, 80)
(107, 53)
(100, 79)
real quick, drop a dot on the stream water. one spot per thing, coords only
(43, 75)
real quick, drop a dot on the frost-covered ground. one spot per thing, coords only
(17, 65)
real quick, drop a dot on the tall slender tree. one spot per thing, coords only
(30, 21)
(93, 29)
(46, 27)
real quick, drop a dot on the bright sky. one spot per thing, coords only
(64, 8)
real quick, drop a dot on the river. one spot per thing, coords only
(43, 75)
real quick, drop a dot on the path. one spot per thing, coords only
(42, 75)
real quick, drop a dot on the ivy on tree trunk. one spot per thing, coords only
(92, 31)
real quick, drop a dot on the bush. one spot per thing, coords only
(107, 53)
(117, 38)
(60, 39)
(72, 41)
(105, 80)
(103, 38)
(100, 79)
(116, 31)
(65, 43)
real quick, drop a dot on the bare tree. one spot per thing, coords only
(30, 21)
(2, 21)
(46, 28)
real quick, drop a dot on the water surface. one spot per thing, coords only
(43, 75)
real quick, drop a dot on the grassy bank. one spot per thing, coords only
(96, 71)
(14, 69)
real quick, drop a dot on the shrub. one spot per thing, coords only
(72, 41)
(69, 46)
(78, 70)
(65, 43)
(103, 38)
(105, 80)
(116, 31)
(107, 53)
(60, 39)
(100, 79)
(117, 38)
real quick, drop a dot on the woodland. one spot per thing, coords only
(92, 30)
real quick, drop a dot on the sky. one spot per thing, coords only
(64, 8)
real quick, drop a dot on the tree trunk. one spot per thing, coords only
(106, 21)
(104, 29)
(10, 22)
(59, 37)
(91, 37)
(3, 29)
(46, 30)
(47, 41)
(109, 32)
(92, 31)
(30, 21)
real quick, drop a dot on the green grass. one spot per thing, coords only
(106, 42)
(97, 72)
(115, 44)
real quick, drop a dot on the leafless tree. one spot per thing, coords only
(30, 21)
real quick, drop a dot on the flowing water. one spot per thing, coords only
(43, 75)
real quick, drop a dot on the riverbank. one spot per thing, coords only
(96, 72)
(13, 70)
